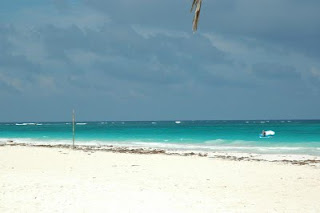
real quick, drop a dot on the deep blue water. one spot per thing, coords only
(292, 136)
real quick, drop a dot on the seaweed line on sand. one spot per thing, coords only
(121, 149)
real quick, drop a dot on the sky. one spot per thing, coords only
(140, 60)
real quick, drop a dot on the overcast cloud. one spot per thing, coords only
(139, 60)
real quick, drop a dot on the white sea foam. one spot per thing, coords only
(216, 141)
(81, 123)
(231, 143)
(25, 124)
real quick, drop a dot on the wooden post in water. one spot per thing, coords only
(73, 128)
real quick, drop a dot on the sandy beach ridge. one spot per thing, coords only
(87, 179)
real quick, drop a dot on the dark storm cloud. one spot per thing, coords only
(58, 40)
(126, 55)
(275, 71)
(101, 57)
(264, 18)
(5, 87)
(5, 32)
(16, 62)
(169, 14)
(16, 71)
(292, 24)
(61, 4)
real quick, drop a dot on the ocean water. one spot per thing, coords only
(292, 136)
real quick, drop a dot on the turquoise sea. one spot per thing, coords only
(291, 136)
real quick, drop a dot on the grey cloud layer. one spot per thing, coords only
(104, 56)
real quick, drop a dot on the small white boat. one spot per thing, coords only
(178, 122)
(267, 134)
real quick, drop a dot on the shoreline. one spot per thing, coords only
(296, 159)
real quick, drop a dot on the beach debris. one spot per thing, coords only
(227, 156)
(203, 154)
(10, 142)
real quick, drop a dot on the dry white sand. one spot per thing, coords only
(35, 179)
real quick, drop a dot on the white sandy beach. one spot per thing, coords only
(39, 179)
